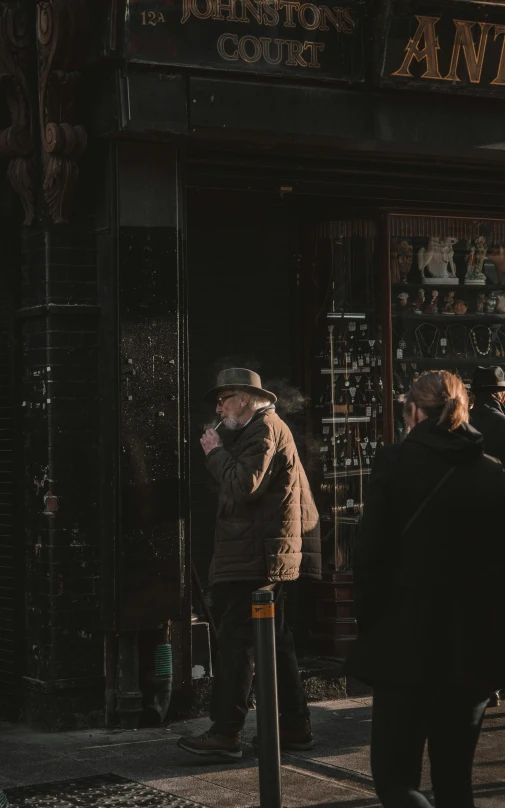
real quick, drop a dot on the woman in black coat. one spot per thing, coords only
(429, 570)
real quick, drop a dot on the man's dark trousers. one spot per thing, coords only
(234, 666)
(404, 718)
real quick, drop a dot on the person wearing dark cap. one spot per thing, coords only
(267, 533)
(487, 415)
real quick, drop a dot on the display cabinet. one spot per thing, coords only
(386, 299)
(447, 279)
(345, 367)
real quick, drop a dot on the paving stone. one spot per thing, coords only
(199, 789)
(105, 791)
(152, 758)
(26, 772)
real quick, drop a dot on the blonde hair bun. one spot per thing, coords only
(440, 394)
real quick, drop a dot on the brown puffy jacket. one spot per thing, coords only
(267, 525)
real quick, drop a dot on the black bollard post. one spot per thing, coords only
(265, 674)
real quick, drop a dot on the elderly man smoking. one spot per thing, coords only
(267, 533)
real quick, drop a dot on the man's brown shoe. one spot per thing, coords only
(296, 740)
(212, 744)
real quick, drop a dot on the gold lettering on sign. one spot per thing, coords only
(269, 13)
(224, 52)
(422, 52)
(314, 18)
(290, 6)
(314, 48)
(267, 54)
(152, 17)
(474, 59)
(424, 45)
(256, 12)
(286, 13)
(229, 7)
(251, 49)
(499, 30)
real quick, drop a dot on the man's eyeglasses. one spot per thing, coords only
(219, 401)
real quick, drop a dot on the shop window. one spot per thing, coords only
(345, 361)
(447, 298)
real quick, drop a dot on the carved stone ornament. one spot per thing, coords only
(62, 28)
(16, 142)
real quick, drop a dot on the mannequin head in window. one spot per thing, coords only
(437, 394)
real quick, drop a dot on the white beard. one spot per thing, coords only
(230, 423)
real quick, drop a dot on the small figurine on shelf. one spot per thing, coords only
(449, 303)
(404, 257)
(500, 305)
(475, 261)
(481, 299)
(460, 307)
(432, 307)
(402, 299)
(438, 259)
(401, 260)
(490, 304)
(419, 302)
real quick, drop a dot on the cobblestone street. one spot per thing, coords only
(146, 768)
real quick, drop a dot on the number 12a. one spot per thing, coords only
(152, 17)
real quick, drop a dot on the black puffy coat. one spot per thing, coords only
(267, 525)
(488, 418)
(430, 604)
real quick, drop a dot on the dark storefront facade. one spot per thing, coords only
(312, 191)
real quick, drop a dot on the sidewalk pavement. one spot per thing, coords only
(335, 773)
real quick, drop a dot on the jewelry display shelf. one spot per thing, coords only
(442, 363)
(347, 419)
(343, 474)
(414, 287)
(476, 319)
(345, 371)
(344, 520)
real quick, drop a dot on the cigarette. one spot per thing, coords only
(217, 426)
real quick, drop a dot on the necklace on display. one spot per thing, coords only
(402, 345)
(475, 344)
(496, 345)
(452, 332)
(427, 351)
(500, 339)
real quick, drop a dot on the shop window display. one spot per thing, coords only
(440, 304)
(447, 298)
(347, 411)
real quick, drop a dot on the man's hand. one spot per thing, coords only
(210, 440)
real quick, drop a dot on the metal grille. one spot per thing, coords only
(104, 791)
(464, 229)
(347, 228)
(8, 694)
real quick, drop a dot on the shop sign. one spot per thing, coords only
(461, 49)
(277, 37)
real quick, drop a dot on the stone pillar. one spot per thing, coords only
(152, 569)
(57, 330)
